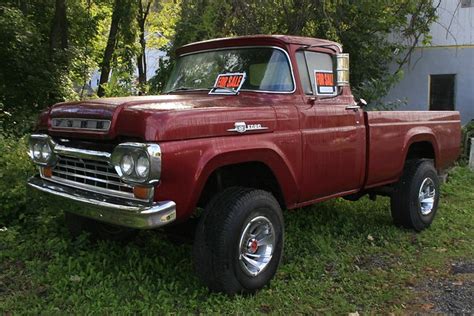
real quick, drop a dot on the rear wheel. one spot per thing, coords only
(239, 241)
(414, 201)
(77, 224)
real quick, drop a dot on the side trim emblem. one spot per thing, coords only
(242, 127)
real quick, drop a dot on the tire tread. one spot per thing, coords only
(211, 242)
(401, 207)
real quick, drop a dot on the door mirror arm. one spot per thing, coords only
(362, 103)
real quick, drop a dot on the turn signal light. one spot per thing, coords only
(47, 172)
(141, 192)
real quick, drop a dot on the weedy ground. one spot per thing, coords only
(340, 257)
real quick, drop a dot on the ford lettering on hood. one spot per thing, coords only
(160, 118)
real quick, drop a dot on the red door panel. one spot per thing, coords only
(333, 148)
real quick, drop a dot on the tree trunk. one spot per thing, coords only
(141, 58)
(59, 28)
(141, 63)
(110, 47)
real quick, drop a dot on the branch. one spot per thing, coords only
(412, 31)
(448, 32)
(147, 10)
(452, 18)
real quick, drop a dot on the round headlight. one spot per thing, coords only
(46, 152)
(37, 151)
(127, 164)
(143, 167)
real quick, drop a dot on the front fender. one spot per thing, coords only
(271, 157)
(186, 166)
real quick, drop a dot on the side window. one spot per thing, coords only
(321, 70)
(304, 74)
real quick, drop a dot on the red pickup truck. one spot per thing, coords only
(246, 127)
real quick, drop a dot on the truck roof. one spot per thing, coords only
(257, 40)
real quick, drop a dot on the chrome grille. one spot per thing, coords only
(91, 175)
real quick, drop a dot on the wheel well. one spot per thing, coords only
(248, 174)
(420, 150)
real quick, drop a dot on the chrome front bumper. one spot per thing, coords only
(108, 209)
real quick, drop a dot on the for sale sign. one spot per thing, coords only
(324, 82)
(228, 83)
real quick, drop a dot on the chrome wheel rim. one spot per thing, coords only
(426, 196)
(257, 244)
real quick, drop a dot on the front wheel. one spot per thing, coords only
(414, 201)
(239, 241)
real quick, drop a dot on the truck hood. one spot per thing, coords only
(163, 118)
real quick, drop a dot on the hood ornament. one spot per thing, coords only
(242, 127)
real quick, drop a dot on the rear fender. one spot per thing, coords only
(416, 135)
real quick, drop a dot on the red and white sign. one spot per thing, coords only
(324, 82)
(229, 83)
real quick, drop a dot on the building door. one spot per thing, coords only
(442, 92)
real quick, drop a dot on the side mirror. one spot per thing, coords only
(342, 68)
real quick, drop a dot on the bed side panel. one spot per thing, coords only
(392, 132)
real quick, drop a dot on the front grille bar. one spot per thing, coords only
(82, 153)
(92, 174)
(89, 178)
(88, 170)
(78, 168)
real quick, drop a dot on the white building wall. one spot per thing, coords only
(455, 25)
(451, 52)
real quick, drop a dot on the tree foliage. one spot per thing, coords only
(366, 28)
(51, 49)
(29, 77)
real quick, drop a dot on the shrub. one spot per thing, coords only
(467, 134)
(30, 78)
(15, 168)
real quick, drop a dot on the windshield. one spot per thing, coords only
(266, 69)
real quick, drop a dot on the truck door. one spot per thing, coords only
(333, 131)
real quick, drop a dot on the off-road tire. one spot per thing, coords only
(77, 224)
(404, 203)
(216, 247)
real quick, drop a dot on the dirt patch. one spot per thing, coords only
(372, 262)
(462, 268)
(453, 294)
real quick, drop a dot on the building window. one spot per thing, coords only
(442, 92)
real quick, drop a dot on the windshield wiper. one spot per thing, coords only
(232, 90)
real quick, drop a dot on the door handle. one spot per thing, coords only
(353, 107)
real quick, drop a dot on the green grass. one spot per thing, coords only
(339, 257)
